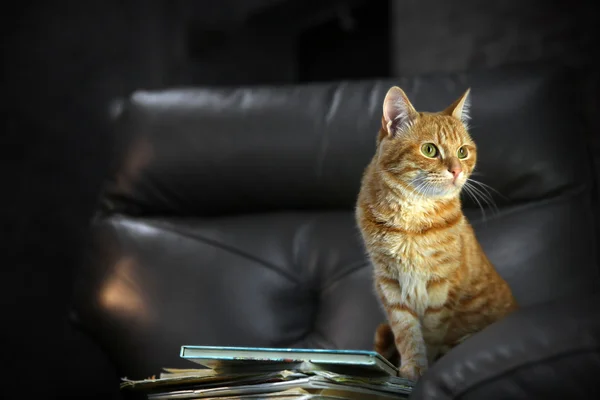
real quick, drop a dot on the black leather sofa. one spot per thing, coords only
(228, 220)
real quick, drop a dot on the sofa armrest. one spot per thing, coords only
(545, 351)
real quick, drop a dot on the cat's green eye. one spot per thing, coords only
(429, 150)
(462, 153)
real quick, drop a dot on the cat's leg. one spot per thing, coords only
(385, 344)
(435, 327)
(406, 327)
(410, 344)
(437, 317)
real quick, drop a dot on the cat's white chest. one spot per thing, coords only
(413, 291)
(412, 272)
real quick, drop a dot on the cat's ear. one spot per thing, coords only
(398, 113)
(461, 107)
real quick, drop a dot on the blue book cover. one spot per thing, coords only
(227, 358)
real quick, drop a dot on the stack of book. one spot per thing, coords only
(266, 373)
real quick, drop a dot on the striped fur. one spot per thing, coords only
(433, 279)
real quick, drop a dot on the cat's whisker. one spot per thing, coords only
(480, 196)
(417, 191)
(487, 198)
(429, 188)
(486, 187)
(414, 185)
(474, 197)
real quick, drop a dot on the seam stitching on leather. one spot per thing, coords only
(345, 274)
(227, 248)
(567, 353)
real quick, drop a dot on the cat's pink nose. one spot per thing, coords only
(455, 170)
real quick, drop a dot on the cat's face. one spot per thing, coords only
(426, 154)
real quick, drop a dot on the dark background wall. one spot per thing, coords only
(63, 61)
(281, 41)
(462, 34)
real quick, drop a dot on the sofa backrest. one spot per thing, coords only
(229, 217)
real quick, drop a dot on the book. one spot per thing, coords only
(315, 385)
(207, 378)
(227, 358)
(277, 373)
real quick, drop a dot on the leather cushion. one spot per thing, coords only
(290, 280)
(296, 279)
(215, 151)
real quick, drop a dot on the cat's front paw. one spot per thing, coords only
(412, 371)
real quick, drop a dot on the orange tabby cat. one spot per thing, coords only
(432, 277)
